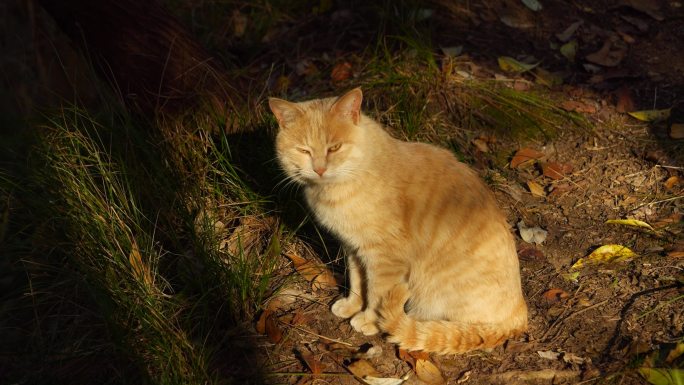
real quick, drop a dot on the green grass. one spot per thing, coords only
(112, 233)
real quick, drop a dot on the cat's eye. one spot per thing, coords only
(303, 150)
(335, 147)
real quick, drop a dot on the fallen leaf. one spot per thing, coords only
(554, 295)
(480, 144)
(452, 51)
(311, 362)
(662, 376)
(605, 254)
(317, 274)
(548, 79)
(638, 22)
(530, 253)
(630, 222)
(578, 106)
(571, 276)
(559, 189)
(362, 368)
(427, 372)
(675, 253)
(671, 182)
(370, 380)
(532, 234)
(651, 115)
(261, 322)
(325, 280)
(306, 67)
(508, 64)
(536, 189)
(569, 50)
(611, 53)
(406, 357)
(533, 5)
(555, 170)
(669, 220)
(548, 354)
(567, 34)
(649, 7)
(273, 332)
(574, 359)
(525, 156)
(675, 353)
(341, 72)
(677, 131)
(624, 103)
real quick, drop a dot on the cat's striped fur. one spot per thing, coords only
(421, 230)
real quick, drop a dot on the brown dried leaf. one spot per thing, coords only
(556, 170)
(671, 182)
(610, 55)
(429, 373)
(536, 189)
(308, 269)
(261, 322)
(559, 189)
(668, 221)
(406, 357)
(341, 72)
(677, 131)
(273, 331)
(325, 280)
(530, 253)
(480, 144)
(362, 368)
(554, 295)
(525, 156)
(625, 102)
(312, 362)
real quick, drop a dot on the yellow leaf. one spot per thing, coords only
(605, 254)
(536, 189)
(630, 222)
(651, 115)
(362, 368)
(663, 376)
(508, 64)
(428, 372)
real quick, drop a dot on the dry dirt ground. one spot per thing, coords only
(595, 328)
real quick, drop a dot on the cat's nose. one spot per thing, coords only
(320, 170)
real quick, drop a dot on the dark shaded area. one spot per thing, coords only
(149, 58)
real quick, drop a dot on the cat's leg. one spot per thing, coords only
(353, 303)
(381, 275)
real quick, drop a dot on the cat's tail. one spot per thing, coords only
(442, 337)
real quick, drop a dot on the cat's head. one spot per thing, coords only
(319, 140)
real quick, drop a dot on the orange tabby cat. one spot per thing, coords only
(417, 225)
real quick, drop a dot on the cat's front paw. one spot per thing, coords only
(347, 307)
(365, 322)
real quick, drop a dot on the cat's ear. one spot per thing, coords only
(348, 106)
(284, 111)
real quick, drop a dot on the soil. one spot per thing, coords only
(598, 327)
